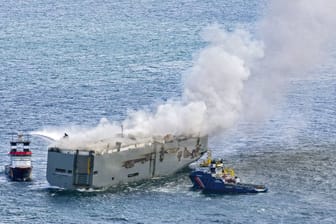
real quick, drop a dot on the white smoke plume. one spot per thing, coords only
(237, 74)
(212, 96)
(103, 130)
(297, 36)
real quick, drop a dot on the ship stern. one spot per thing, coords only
(70, 169)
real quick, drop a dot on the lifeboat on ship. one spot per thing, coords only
(20, 166)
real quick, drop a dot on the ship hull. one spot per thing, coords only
(18, 173)
(88, 169)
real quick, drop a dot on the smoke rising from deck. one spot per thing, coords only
(239, 74)
(211, 100)
(80, 134)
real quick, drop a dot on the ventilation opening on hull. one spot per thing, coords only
(58, 170)
(133, 174)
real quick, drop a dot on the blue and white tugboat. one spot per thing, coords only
(20, 167)
(212, 177)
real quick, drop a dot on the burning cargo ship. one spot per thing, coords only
(120, 160)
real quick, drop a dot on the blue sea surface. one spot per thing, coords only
(66, 63)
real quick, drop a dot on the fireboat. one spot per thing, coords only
(20, 167)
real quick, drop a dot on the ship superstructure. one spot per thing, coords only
(120, 160)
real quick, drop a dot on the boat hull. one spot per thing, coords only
(18, 173)
(80, 169)
(209, 184)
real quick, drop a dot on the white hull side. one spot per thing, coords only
(124, 166)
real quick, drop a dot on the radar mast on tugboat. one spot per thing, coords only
(20, 166)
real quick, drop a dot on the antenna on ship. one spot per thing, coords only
(122, 131)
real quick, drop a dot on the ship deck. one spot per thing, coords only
(113, 144)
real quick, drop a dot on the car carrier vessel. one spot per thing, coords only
(120, 160)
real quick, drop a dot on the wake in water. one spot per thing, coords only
(237, 76)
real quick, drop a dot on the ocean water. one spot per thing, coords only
(69, 63)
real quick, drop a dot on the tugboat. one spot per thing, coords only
(20, 166)
(211, 177)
